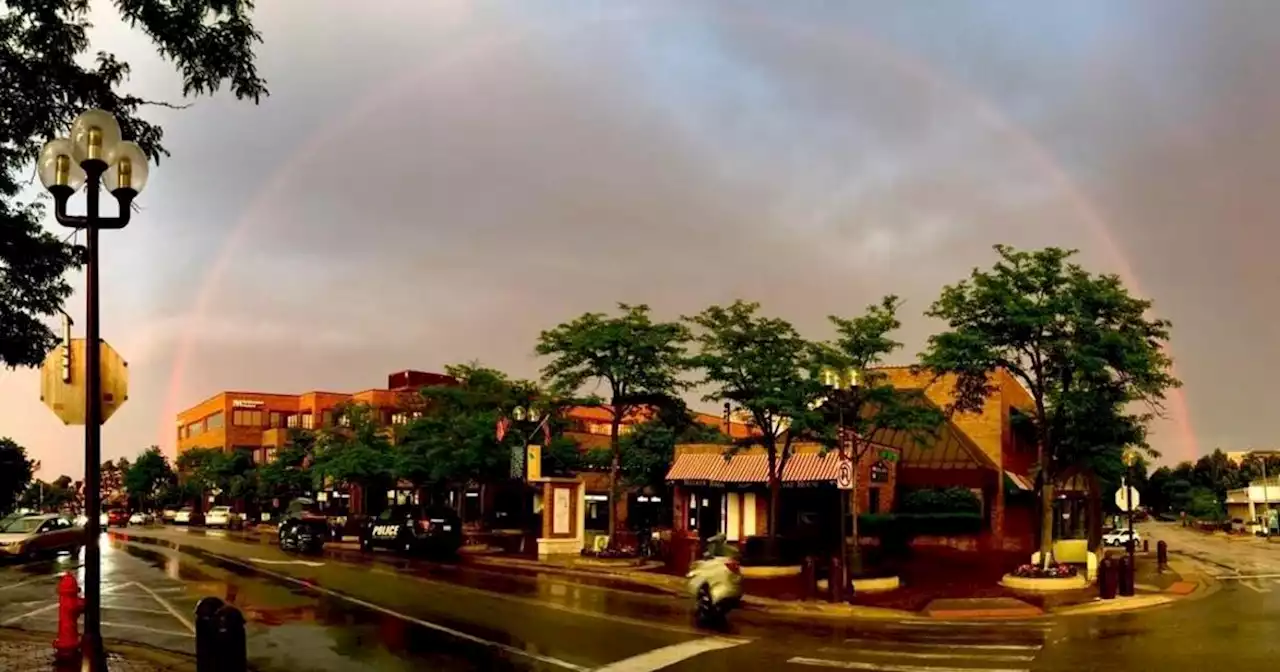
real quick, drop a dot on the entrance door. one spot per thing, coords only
(709, 514)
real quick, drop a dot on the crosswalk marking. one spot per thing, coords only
(938, 645)
(877, 667)
(670, 655)
(924, 655)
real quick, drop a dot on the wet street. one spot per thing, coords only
(352, 611)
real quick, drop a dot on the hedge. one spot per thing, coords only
(907, 525)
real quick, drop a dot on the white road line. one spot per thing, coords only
(168, 607)
(877, 667)
(506, 648)
(1251, 586)
(931, 645)
(899, 653)
(306, 563)
(670, 655)
(50, 607)
(1241, 577)
(131, 626)
(28, 581)
(976, 624)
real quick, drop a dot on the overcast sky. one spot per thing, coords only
(433, 182)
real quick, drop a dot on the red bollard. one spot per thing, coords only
(70, 606)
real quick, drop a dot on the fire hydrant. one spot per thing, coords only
(70, 606)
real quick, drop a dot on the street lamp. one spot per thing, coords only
(92, 156)
(1130, 458)
(840, 384)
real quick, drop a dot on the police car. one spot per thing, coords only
(409, 529)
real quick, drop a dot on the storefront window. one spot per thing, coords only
(597, 512)
(647, 512)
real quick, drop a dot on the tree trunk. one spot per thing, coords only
(615, 465)
(775, 502)
(854, 561)
(1046, 523)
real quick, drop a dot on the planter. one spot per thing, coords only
(879, 585)
(770, 572)
(1044, 585)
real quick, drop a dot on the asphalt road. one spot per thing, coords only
(383, 613)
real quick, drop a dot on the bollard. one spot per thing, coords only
(233, 653)
(1146, 546)
(1162, 555)
(809, 578)
(835, 591)
(207, 647)
(1126, 577)
(1107, 579)
(66, 647)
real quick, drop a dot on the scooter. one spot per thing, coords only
(715, 582)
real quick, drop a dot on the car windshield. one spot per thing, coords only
(23, 525)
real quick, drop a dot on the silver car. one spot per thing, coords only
(37, 535)
(715, 581)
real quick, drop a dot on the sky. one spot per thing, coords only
(434, 182)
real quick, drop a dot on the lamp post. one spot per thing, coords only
(1130, 459)
(92, 156)
(841, 385)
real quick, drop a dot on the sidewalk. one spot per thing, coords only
(22, 651)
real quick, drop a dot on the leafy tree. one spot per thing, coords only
(289, 476)
(15, 473)
(870, 412)
(46, 79)
(355, 451)
(1218, 473)
(630, 353)
(649, 448)
(763, 368)
(1156, 492)
(1083, 347)
(1203, 504)
(111, 483)
(59, 494)
(148, 478)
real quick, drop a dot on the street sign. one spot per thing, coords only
(844, 474)
(534, 459)
(1129, 503)
(64, 394)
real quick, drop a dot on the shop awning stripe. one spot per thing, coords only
(801, 468)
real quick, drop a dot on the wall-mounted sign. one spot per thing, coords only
(246, 403)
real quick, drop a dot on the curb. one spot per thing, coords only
(167, 660)
(825, 610)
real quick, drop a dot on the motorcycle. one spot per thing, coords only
(715, 582)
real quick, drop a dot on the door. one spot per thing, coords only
(709, 514)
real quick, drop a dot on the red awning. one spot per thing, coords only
(801, 468)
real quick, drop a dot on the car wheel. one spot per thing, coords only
(366, 545)
(705, 614)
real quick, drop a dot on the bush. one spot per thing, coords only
(940, 500)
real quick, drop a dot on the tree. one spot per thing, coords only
(1156, 492)
(763, 368)
(199, 472)
(1203, 504)
(1217, 473)
(870, 412)
(356, 451)
(649, 448)
(46, 79)
(1083, 347)
(288, 476)
(147, 479)
(15, 473)
(111, 484)
(630, 353)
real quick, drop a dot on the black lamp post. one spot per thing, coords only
(843, 384)
(93, 156)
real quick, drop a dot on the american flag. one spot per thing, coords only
(503, 424)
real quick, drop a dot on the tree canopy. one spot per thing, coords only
(634, 356)
(765, 369)
(1085, 349)
(47, 77)
(355, 451)
(149, 479)
(15, 473)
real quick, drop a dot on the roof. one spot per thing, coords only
(752, 468)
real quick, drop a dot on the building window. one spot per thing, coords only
(269, 455)
(291, 422)
(399, 418)
(326, 418)
(196, 428)
(276, 420)
(307, 421)
(597, 518)
(246, 418)
(879, 473)
(215, 421)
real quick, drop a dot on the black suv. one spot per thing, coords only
(435, 531)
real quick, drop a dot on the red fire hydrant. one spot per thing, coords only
(70, 606)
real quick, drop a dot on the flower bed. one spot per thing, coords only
(1035, 571)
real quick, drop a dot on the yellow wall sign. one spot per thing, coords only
(533, 458)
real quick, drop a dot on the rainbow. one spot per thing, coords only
(863, 47)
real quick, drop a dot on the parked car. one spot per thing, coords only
(169, 515)
(117, 518)
(222, 516)
(37, 535)
(1120, 538)
(141, 518)
(183, 516)
(305, 534)
(435, 531)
